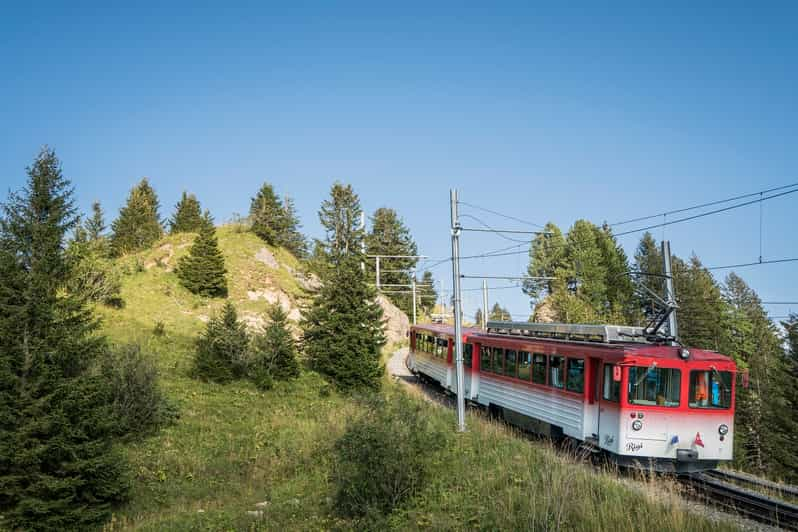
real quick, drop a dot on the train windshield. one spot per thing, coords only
(710, 389)
(653, 386)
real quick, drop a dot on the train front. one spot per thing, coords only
(676, 412)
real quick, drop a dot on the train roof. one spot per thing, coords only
(647, 350)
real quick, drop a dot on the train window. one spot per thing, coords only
(467, 355)
(576, 375)
(498, 360)
(557, 371)
(612, 388)
(484, 359)
(510, 360)
(441, 350)
(539, 368)
(654, 386)
(710, 389)
(524, 364)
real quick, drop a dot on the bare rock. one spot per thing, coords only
(308, 281)
(262, 505)
(266, 257)
(397, 323)
(254, 322)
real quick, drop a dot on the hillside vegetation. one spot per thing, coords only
(242, 459)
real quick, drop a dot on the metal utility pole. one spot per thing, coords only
(378, 272)
(414, 297)
(458, 315)
(670, 295)
(484, 304)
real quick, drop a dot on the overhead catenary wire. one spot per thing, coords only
(533, 224)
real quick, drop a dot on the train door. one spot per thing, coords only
(592, 410)
(609, 406)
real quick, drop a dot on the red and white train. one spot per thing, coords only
(645, 404)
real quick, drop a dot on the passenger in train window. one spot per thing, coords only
(557, 371)
(539, 368)
(524, 364)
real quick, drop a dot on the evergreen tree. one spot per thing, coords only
(188, 215)
(267, 214)
(95, 226)
(620, 288)
(390, 236)
(427, 295)
(138, 225)
(340, 216)
(546, 256)
(648, 261)
(343, 328)
(202, 271)
(274, 352)
(499, 313)
(58, 469)
(478, 317)
(292, 238)
(701, 308)
(221, 351)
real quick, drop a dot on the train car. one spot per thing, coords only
(645, 404)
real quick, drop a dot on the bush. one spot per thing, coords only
(221, 354)
(159, 329)
(92, 276)
(139, 406)
(273, 353)
(385, 457)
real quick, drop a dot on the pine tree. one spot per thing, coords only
(188, 215)
(389, 236)
(292, 238)
(95, 226)
(648, 261)
(546, 256)
(267, 215)
(478, 317)
(343, 328)
(340, 216)
(273, 353)
(138, 225)
(700, 301)
(221, 351)
(499, 313)
(58, 468)
(202, 271)
(427, 293)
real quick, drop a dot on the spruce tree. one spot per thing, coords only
(221, 351)
(138, 225)
(95, 226)
(58, 469)
(343, 328)
(292, 238)
(202, 271)
(478, 317)
(273, 353)
(546, 256)
(389, 236)
(188, 215)
(499, 313)
(427, 295)
(267, 214)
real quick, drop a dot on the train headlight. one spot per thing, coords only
(723, 430)
(684, 353)
(637, 424)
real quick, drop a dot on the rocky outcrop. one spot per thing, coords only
(397, 324)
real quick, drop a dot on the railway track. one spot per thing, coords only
(720, 488)
(716, 489)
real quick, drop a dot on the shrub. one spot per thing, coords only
(159, 329)
(385, 457)
(273, 353)
(222, 349)
(92, 276)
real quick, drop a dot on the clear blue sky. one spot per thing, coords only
(545, 113)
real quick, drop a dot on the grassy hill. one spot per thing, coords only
(242, 459)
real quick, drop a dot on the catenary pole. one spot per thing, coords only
(414, 297)
(458, 314)
(484, 304)
(673, 328)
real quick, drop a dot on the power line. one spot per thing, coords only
(708, 213)
(758, 263)
(702, 205)
(780, 302)
(533, 224)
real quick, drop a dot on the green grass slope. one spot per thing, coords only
(241, 459)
